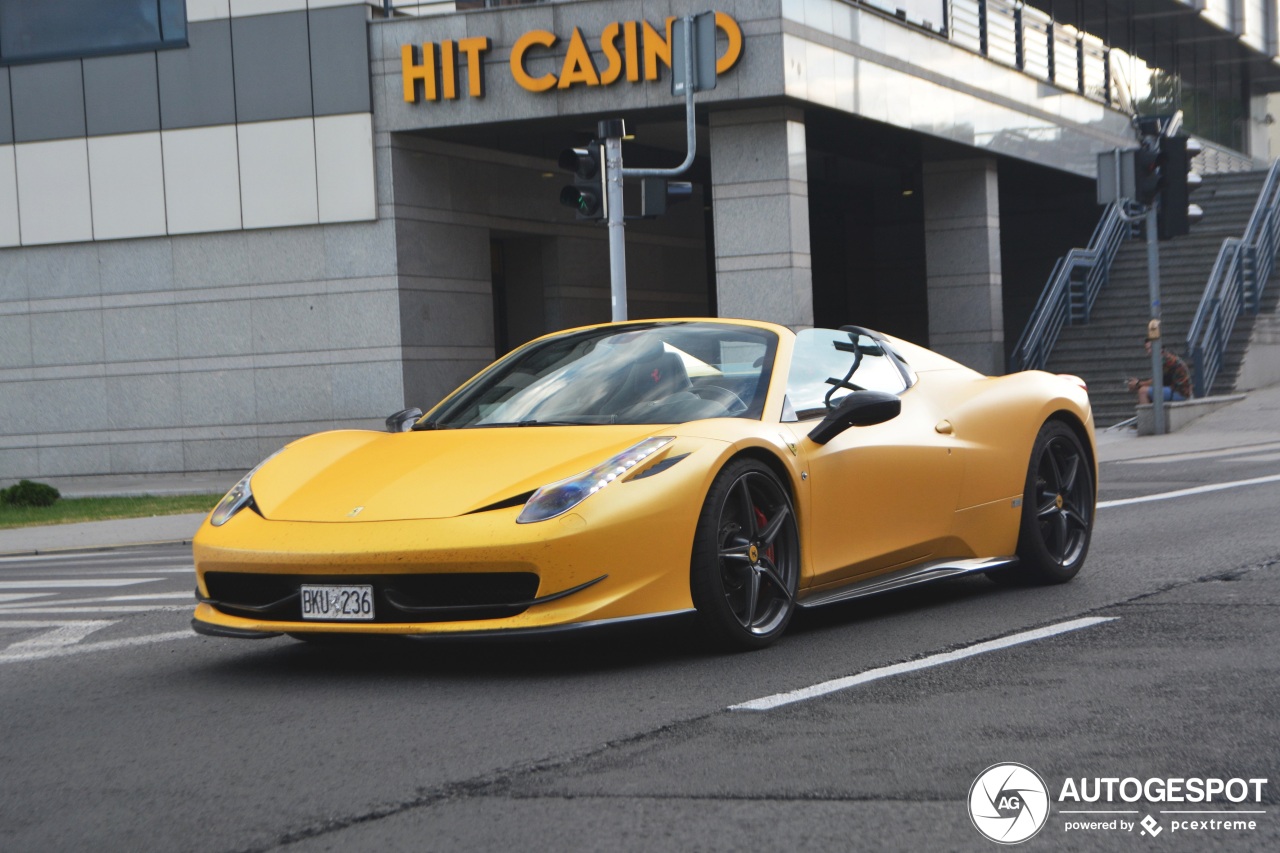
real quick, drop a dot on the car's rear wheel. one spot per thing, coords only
(746, 558)
(1057, 510)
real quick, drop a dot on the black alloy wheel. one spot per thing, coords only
(745, 567)
(1057, 510)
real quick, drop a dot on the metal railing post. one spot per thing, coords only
(983, 44)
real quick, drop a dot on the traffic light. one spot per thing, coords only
(657, 194)
(1148, 170)
(587, 193)
(1176, 213)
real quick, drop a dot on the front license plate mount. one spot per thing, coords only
(337, 603)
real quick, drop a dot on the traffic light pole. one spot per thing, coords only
(1157, 344)
(617, 231)
(612, 131)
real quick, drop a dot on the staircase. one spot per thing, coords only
(1109, 348)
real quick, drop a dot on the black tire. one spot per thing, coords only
(1058, 505)
(745, 566)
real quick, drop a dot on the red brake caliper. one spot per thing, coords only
(761, 523)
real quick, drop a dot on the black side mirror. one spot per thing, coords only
(402, 421)
(860, 408)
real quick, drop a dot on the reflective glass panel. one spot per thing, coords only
(826, 363)
(64, 29)
(637, 374)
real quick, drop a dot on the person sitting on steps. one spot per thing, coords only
(1175, 380)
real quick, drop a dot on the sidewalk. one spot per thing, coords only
(121, 532)
(1252, 421)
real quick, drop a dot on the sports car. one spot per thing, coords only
(729, 469)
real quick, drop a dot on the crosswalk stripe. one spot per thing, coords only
(104, 645)
(64, 583)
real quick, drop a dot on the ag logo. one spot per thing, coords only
(1008, 803)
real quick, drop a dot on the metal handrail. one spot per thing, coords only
(1240, 274)
(1072, 289)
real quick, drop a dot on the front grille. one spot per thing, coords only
(397, 598)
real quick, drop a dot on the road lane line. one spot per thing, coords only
(777, 700)
(1198, 490)
(104, 599)
(58, 636)
(102, 646)
(63, 583)
(50, 607)
(9, 597)
(1246, 452)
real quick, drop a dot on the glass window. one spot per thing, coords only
(662, 373)
(65, 29)
(827, 365)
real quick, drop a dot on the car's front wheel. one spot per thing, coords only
(1057, 510)
(746, 558)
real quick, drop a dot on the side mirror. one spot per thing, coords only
(402, 421)
(860, 408)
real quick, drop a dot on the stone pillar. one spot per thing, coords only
(962, 255)
(760, 195)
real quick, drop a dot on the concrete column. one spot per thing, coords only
(760, 195)
(962, 255)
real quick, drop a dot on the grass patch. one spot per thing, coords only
(69, 510)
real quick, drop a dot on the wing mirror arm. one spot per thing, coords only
(402, 421)
(860, 408)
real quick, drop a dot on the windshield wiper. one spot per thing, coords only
(423, 426)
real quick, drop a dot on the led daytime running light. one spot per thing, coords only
(558, 498)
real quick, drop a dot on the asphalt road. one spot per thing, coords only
(125, 732)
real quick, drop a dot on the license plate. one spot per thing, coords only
(337, 603)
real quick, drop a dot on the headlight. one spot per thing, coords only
(559, 498)
(238, 498)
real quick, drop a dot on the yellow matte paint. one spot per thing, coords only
(631, 43)
(872, 500)
(733, 52)
(642, 45)
(448, 69)
(609, 44)
(578, 67)
(471, 48)
(411, 71)
(540, 38)
(657, 48)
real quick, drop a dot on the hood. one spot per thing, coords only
(435, 474)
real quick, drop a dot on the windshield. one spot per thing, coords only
(664, 373)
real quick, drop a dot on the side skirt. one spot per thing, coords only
(924, 573)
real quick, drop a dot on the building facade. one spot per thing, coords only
(228, 223)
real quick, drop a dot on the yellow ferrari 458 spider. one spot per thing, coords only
(731, 469)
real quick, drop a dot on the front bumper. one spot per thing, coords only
(626, 560)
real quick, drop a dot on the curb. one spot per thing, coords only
(82, 549)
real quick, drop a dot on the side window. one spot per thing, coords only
(43, 30)
(827, 365)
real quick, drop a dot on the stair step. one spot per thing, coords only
(1108, 349)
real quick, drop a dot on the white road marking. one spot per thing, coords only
(81, 648)
(59, 634)
(121, 608)
(1198, 490)
(107, 599)
(777, 700)
(1245, 452)
(63, 583)
(7, 597)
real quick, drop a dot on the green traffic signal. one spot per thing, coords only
(587, 193)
